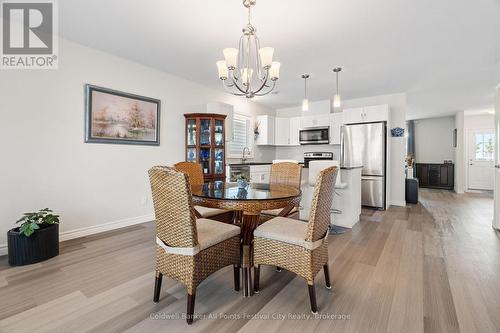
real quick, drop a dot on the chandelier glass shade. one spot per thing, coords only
(248, 70)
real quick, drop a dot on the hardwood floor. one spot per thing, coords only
(431, 267)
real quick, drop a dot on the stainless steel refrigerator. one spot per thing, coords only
(365, 145)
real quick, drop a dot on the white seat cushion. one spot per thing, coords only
(210, 233)
(276, 212)
(209, 212)
(288, 231)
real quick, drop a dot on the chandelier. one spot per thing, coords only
(249, 70)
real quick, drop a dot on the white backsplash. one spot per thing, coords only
(297, 152)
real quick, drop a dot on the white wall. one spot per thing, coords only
(398, 106)
(45, 162)
(434, 140)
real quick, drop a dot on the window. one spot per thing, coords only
(484, 146)
(241, 136)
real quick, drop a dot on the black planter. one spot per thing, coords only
(43, 244)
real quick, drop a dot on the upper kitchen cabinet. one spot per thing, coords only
(366, 114)
(224, 109)
(266, 130)
(287, 131)
(336, 121)
(318, 120)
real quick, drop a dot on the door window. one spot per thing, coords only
(485, 146)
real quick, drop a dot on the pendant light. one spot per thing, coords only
(305, 101)
(336, 99)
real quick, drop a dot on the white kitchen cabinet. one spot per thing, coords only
(366, 114)
(315, 120)
(336, 122)
(294, 131)
(260, 173)
(286, 131)
(376, 113)
(353, 115)
(282, 132)
(266, 130)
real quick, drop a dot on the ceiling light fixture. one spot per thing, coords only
(336, 99)
(305, 101)
(250, 69)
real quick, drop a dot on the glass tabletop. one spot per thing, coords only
(253, 191)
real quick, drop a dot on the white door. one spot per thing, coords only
(480, 151)
(496, 217)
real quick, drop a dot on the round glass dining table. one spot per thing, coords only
(248, 202)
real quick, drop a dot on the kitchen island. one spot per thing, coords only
(346, 207)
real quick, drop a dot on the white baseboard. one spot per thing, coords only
(95, 229)
(401, 203)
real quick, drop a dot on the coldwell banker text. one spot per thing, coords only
(29, 35)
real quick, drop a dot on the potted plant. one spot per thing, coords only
(35, 240)
(256, 127)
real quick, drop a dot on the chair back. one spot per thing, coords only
(193, 170)
(321, 204)
(175, 220)
(286, 173)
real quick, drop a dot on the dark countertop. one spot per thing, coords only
(250, 163)
(269, 163)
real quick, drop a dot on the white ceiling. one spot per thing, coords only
(445, 54)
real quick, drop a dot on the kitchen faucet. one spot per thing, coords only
(243, 158)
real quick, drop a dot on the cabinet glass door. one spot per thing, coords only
(219, 133)
(191, 155)
(205, 132)
(205, 160)
(219, 161)
(191, 132)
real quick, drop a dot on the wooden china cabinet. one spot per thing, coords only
(205, 143)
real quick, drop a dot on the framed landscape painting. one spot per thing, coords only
(117, 117)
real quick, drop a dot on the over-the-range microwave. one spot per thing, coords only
(314, 135)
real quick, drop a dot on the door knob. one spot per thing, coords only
(497, 166)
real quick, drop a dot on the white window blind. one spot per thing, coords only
(241, 127)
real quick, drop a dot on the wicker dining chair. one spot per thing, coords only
(298, 246)
(195, 173)
(284, 173)
(188, 249)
